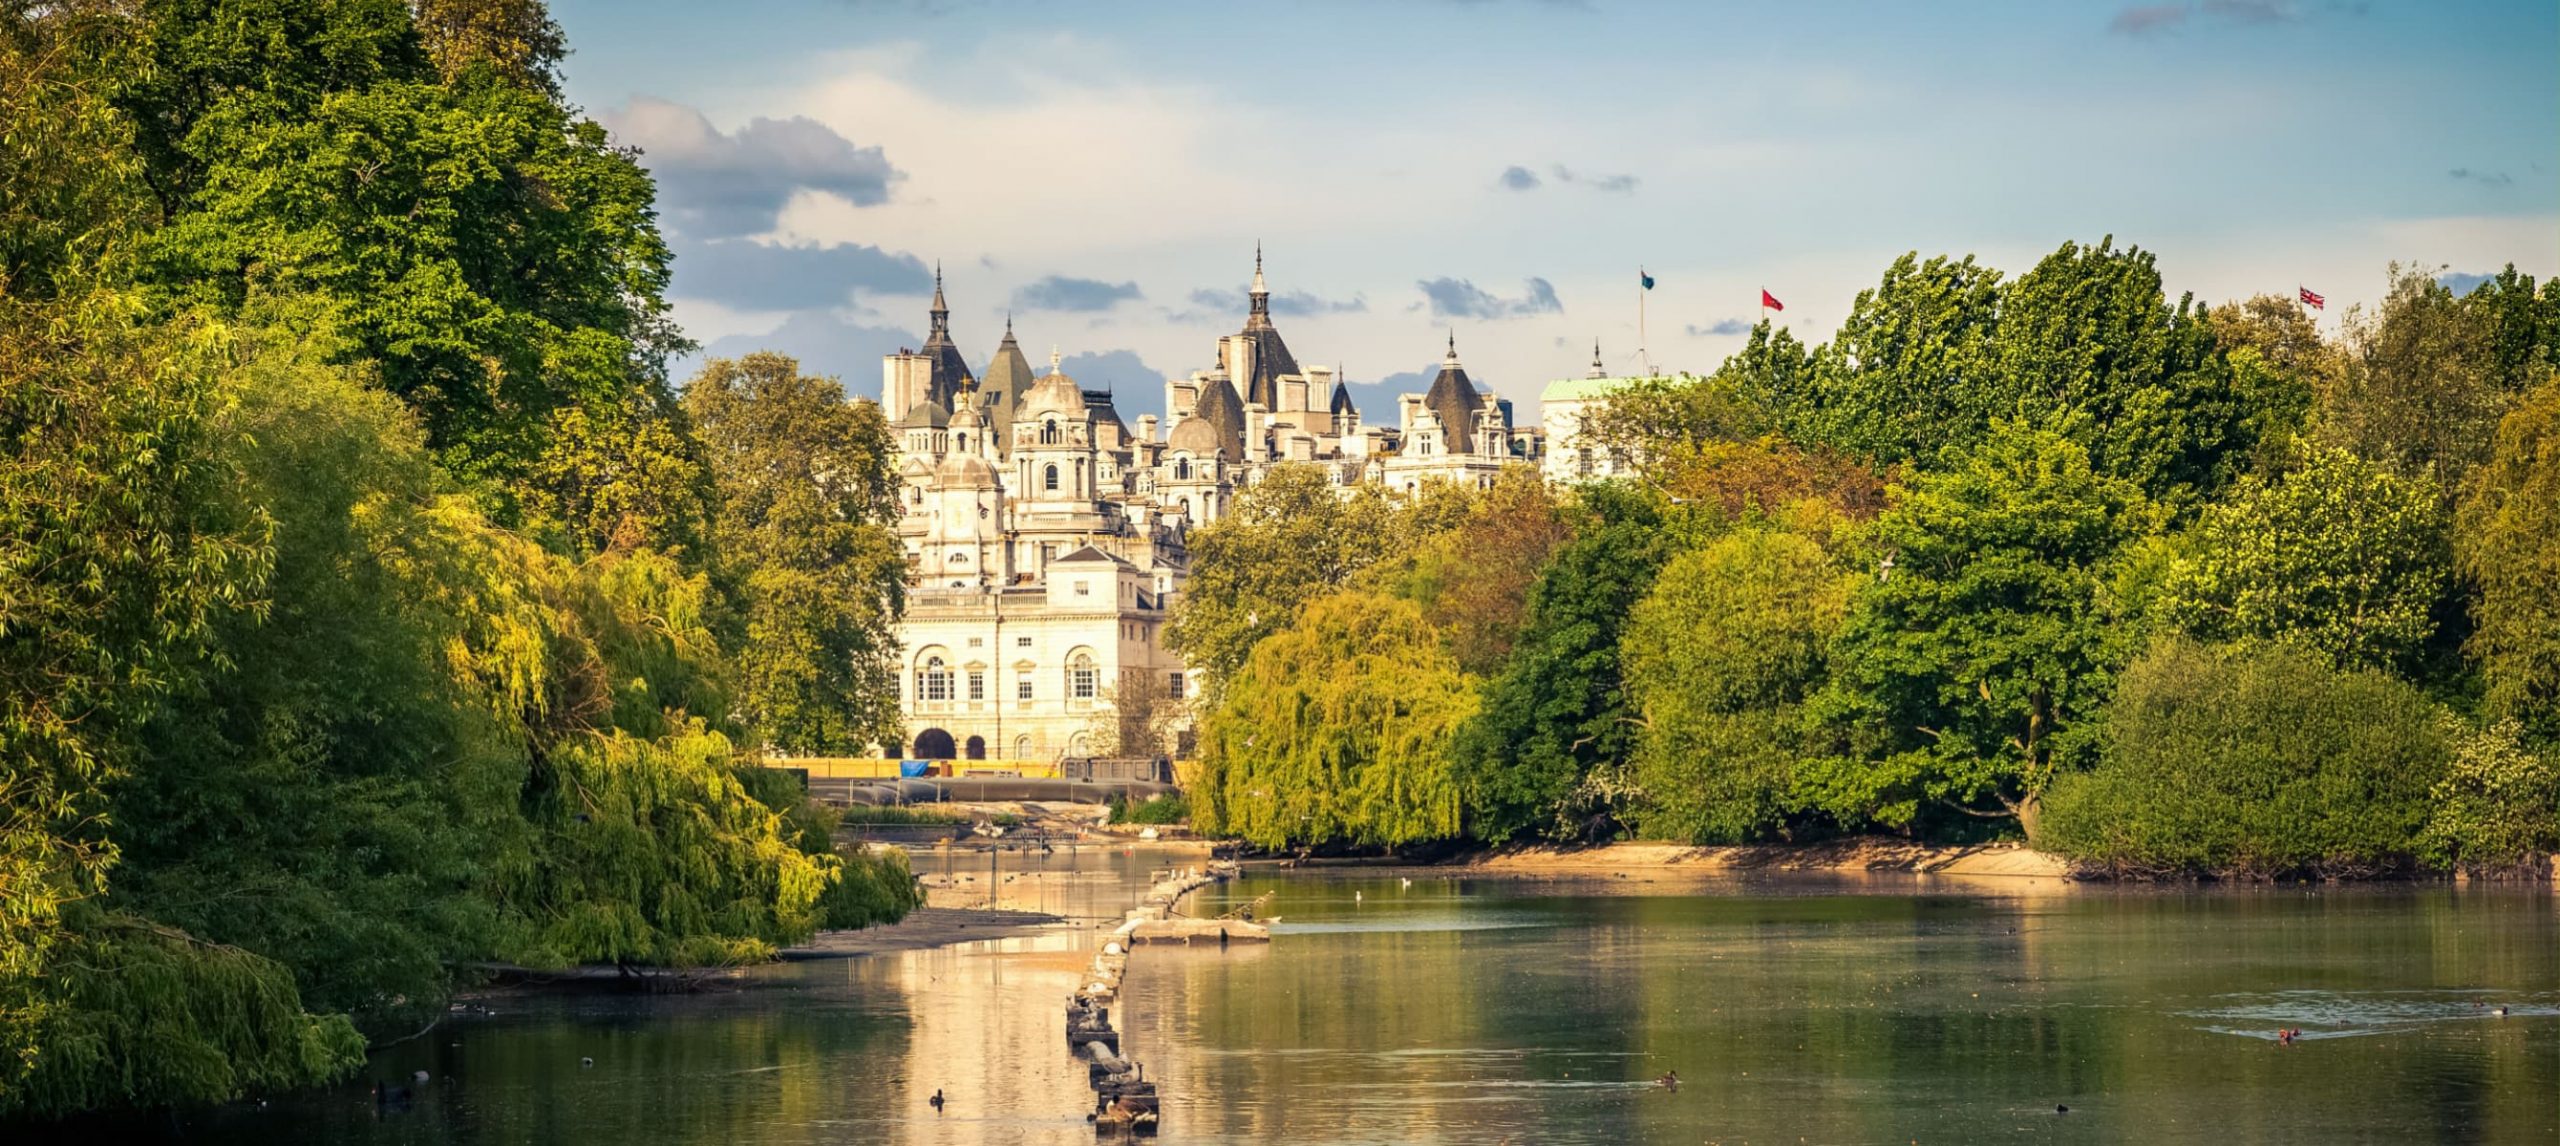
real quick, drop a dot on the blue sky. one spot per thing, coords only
(1502, 167)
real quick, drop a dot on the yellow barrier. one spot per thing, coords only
(857, 768)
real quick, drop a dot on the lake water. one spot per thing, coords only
(1856, 1010)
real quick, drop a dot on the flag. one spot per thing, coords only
(1770, 301)
(1644, 278)
(2311, 300)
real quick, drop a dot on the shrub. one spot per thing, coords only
(2258, 760)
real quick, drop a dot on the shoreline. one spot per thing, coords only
(1861, 855)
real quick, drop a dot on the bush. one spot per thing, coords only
(1170, 808)
(2259, 760)
(2498, 806)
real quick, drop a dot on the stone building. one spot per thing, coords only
(1046, 538)
(1562, 407)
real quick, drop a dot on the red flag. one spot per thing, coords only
(1770, 301)
(2311, 300)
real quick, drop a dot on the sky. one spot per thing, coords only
(1501, 170)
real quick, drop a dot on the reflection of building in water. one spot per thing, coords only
(1047, 539)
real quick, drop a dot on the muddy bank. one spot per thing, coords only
(924, 927)
(1853, 855)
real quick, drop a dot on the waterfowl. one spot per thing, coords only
(936, 1100)
(1670, 1080)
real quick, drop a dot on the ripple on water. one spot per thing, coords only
(2353, 1014)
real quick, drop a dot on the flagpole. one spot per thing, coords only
(1643, 356)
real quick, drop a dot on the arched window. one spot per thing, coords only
(1050, 479)
(1182, 469)
(1022, 748)
(1082, 680)
(933, 680)
(1049, 434)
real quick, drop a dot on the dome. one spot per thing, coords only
(1197, 436)
(927, 414)
(966, 471)
(968, 417)
(1054, 394)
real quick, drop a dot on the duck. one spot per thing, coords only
(2500, 1012)
(1670, 1080)
(585, 1061)
(936, 1100)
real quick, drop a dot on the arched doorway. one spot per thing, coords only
(977, 748)
(934, 744)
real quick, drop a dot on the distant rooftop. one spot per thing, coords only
(1572, 389)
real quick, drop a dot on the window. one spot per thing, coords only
(977, 684)
(974, 642)
(1022, 687)
(1049, 479)
(1181, 469)
(1022, 642)
(1174, 685)
(933, 681)
(1049, 436)
(1081, 678)
(1084, 589)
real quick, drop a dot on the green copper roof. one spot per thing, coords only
(1570, 389)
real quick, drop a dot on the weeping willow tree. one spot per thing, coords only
(1337, 730)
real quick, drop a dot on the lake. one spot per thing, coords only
(1887, 1009)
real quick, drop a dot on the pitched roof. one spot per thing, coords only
(1219, 407)
(1087, 555)
(1008, 378)
(1342, 401)
(1454, 399)
(1271, 357)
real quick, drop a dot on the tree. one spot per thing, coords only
(2522, 327)
(1337, 730)
(1547, 752)
(2508, 546)
(1719, 659)
(2498, 805)
(516, 39)
(492, 255)
(1292, 537)
(2261, 760)
(806, 504)
(1966, 671)
(1911, 370)
(1473, 576)
(2342, 556)
(2420, 391)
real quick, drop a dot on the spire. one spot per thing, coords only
(941, 309)
(1053, 358)
(1008, 328)
(1597, 370)
(1452, 359)
(1261, 294)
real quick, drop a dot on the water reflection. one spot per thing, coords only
(1457, 1010)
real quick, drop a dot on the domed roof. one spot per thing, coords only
(968, 416)
(966, 471)
(1055, 393)
(927, 414)
(1196, 435)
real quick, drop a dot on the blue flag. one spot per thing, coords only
(1644, 278)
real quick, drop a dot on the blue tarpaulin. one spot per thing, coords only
(914, 768)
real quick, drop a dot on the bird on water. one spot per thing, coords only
(936, 1100)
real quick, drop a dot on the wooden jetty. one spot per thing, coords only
(1125, 1101)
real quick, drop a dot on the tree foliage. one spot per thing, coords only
(1964, 674)
(806, 503)
(1287, 540)
(2508, 546)
(1720, 657)
(1337, 729)
(2420, 391)
(2342, 556)
(2261, 760)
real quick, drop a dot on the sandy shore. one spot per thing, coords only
(924, 927)
(1854, 855)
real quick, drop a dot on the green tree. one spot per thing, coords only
(491, 254)
(2259, 760)
(2498, 805)
(2342, 556)
(1473, 576)
(2420, 390)
(1337, 730)
(1290, 538)
(516, 39)
(2523, 327)
(1719, 659)
(1548, 751)
(1912, 369)
(1966, 672)
(2508, 546)
(806, 506)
